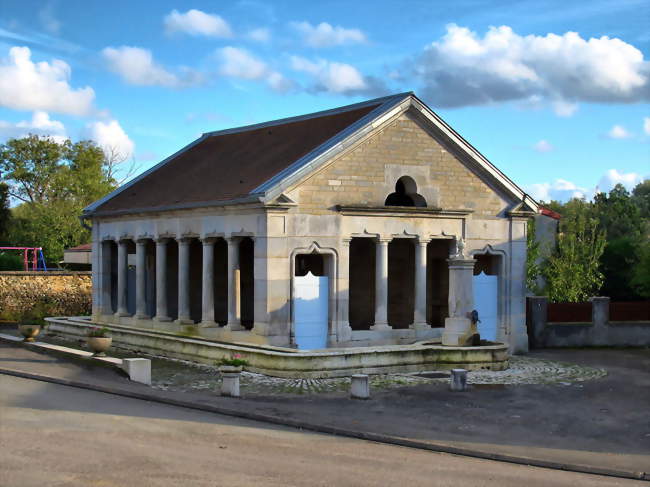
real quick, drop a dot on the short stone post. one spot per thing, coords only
(230, 384)
(600, 320)
(458, 380)
(538, 317)
(138, 369)
(360, 387)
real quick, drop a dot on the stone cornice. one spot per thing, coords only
(402, 212)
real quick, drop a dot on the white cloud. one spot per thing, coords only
(618, 132)
(646, 125)
(543, 146)
(136, 66)
(331, 77)
(241, 64)
(111, 137)
(197, 23)
(612, 177)
(325, 35)
(260, 35)
(40, 124)
(463, 69)
(560, 190)
(25, 85)
(48, 20)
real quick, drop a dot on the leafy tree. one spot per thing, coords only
(641, 198)
(533, 266)
(572, 273)
(5, 213)
(641, 273)
(54, 182)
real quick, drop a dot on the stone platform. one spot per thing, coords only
(291, 363)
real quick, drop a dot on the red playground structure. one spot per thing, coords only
(36, 260)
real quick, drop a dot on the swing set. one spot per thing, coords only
(33, 259)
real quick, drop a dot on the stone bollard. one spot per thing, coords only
(230, 384)
(360, 387)
(138, 369)
(458, 380)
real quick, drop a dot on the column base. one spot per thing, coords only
(208, 324)
(261, 329)
(162, 318)
(457, 331)
(420, 326)
(381, 327)
(184, 321)
(344, 332)
(234, 327)
(122, 314)
(141, 317)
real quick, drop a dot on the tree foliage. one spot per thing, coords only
(54, 182)
(5, 213)
(572, 272)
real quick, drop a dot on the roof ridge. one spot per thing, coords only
(298, 118)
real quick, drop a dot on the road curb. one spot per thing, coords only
(362, 435)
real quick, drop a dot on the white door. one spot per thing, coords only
(485, 302)
(310, 304)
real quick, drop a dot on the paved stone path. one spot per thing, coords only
(176, 375)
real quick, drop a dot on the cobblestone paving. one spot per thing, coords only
(186, 376)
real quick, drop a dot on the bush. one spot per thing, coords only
(11, 261)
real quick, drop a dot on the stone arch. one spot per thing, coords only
(406, 194)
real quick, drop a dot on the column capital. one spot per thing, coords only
(143, 240)
(423, 241)
(184, 240)
(209, 240)
(124, 239)
(384, 240)
(162, 240)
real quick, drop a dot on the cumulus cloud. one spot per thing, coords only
(136, 66)
(111, 137)
(463, 68)
(25, 85)
(197, 23)
(40, 124)
(543, 146)
(646, 125)
(241, 64)
(325, 35)
(560, 190)
(613, 177)
(339, 78)
(260, 35)
(618, 132)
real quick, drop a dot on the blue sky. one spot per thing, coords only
(555, 93)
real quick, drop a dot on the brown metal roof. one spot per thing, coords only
(231, 165)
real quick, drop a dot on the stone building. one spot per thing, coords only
(217, 239)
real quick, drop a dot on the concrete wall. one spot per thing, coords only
(599, 332)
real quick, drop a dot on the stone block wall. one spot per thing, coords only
(364, 176)
(44, 294)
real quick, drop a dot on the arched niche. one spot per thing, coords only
(406, 194)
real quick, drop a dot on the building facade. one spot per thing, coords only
(375, 197)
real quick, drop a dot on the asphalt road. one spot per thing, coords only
(53, 435)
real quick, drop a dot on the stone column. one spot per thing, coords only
(343, 298)
(105, 278)
(161, 280)
(184, 282)
(122, 277)
(207, 298)
(420, 315)
(458, 327)
(234, 318)
(141, 279)
(381, 286)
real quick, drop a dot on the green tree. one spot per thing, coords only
(572, 272)
(54, 181)
(641, 198)
(5, 213)
(623, 224)
(533, 265)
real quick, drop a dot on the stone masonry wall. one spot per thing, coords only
(44, 294)
(361, 177)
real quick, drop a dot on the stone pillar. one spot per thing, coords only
(105, 278)
(538, 320)
(161, 280)
(420, 315)
(122, 277)
(207, 297)
(184, 282)
(234, 318)
(458, 327)
(141, 279)
(381, 286)
(344, 332)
